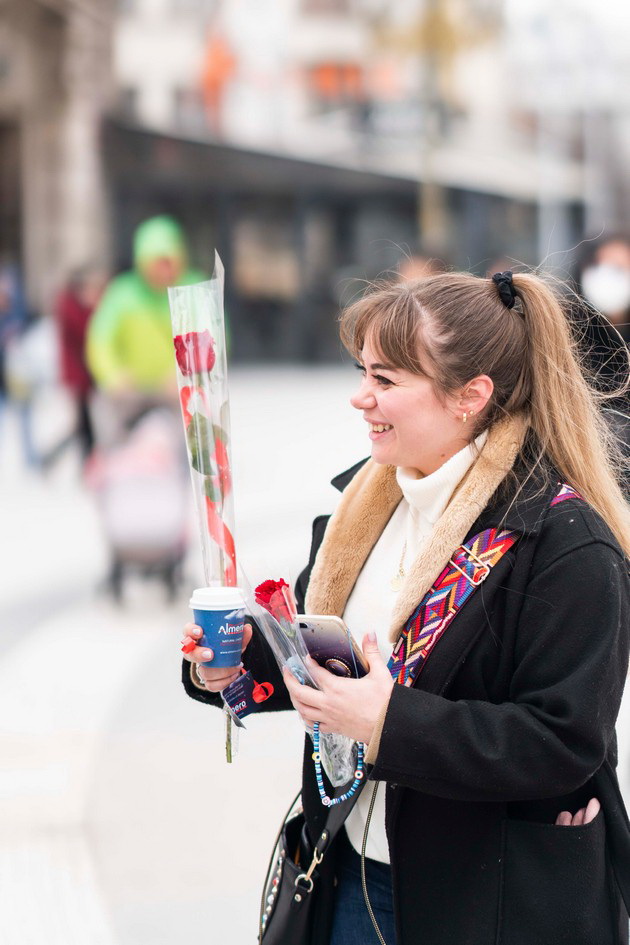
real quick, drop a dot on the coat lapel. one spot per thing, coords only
(366, 506)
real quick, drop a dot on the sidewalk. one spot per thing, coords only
(119, 818)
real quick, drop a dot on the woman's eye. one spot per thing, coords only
(380, 380)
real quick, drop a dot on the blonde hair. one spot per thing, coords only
(453, 327)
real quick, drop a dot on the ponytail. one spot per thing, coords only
(564, 410)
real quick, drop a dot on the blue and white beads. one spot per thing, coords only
(359, 774)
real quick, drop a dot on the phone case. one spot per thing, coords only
(330, 644)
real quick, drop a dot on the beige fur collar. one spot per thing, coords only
(367, 505)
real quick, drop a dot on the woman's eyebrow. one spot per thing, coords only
(377, 366)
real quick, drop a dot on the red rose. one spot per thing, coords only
(264, 591)
(194, 352)
(277, 598)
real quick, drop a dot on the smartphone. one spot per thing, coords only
(331, 644)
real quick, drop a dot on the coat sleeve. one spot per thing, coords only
(570, 664)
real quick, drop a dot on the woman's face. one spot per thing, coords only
(407, 424)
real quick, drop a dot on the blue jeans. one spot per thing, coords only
(352, 924)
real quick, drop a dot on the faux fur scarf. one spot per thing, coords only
(366, 506)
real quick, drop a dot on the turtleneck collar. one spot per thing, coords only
(428, 496)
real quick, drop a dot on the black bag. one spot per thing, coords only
(292, 883)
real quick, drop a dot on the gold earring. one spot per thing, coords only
(471, 413)
(464, 417)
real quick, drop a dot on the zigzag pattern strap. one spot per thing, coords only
(566, 492)
(469, 567)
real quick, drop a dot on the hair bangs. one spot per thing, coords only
(391, 320)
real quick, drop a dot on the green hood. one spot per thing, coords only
(156, 238)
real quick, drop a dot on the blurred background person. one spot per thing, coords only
(74, 307)
(129, 338)
(603, 282)
(419, 264)
(16, 382)
(138, 473)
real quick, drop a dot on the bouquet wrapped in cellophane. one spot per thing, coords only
(200, 350)
(199, 339)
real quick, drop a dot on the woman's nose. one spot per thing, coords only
(363, 397)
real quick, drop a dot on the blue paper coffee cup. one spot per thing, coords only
(220, 612)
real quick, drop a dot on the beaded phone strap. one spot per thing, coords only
(358, 774)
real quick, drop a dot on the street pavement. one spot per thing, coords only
(120, 821)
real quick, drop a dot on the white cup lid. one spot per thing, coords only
(217, 598)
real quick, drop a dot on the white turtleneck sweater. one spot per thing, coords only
(370, 605)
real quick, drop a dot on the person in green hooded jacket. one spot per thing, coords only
(129, 338)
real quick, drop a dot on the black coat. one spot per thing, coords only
(509, 723)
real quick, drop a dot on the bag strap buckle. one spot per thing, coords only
(481, 572)
(304, 879)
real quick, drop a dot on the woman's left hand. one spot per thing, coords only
(344, 706)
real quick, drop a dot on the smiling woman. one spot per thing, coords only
(409, 424)
(486, 540)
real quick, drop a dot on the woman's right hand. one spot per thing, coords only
(215, 680)
(584, 816)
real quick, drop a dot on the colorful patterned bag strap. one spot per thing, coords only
(466, 570)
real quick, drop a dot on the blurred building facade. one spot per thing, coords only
(423, 91)
(55, 78)
(311, 141)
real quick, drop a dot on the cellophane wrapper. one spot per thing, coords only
(338, 752)
(198, 321)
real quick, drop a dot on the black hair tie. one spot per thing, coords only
(503, 282)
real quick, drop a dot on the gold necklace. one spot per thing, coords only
(397, 580)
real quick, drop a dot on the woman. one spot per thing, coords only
(603, 281)
(478, 414)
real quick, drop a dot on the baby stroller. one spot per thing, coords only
(142, 490)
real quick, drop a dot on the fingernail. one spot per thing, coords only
(189, 647)
(207, 654)
(372, 638)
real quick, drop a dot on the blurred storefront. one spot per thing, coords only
(295, 236)
(54, 85)
(298, 238)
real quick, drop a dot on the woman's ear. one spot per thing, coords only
(476, 394)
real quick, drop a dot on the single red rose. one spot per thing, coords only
(194, 352)
(279, 605)
(277, 598)
(264, 591)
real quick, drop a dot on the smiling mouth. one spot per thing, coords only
(380, 427)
